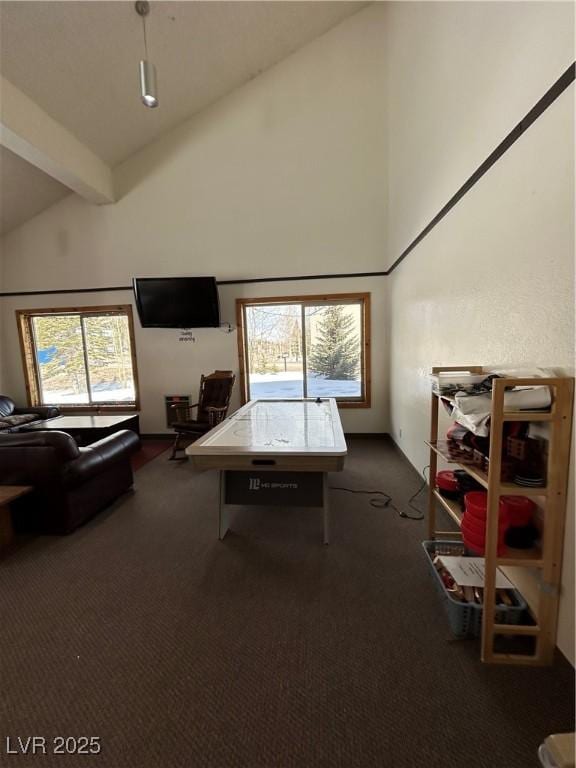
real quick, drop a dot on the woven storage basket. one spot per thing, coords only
(465, 619)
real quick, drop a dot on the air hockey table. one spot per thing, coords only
(274, 453)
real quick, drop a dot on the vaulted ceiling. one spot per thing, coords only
(78, 62)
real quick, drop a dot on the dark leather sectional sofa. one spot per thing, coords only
(13, 418)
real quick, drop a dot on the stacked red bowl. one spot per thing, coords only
(474, 523)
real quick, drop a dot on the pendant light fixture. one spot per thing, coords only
(148, 87)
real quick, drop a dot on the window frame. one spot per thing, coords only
(30, 362)
(310, 299)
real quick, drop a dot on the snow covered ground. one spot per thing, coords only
(63, 397)
(289, 384)
(282, 384)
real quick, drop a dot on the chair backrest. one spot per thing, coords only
(215, 392)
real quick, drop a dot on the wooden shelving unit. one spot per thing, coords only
(542, 565)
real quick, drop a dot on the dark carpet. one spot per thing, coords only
(267, 649)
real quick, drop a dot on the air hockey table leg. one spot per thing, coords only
(326, 508)
(223, 509)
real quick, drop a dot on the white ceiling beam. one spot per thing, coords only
(29, 132)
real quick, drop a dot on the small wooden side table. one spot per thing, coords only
(7, 494)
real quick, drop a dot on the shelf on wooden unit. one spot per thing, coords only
(531, 558)
(507, 415)
(505, 489)
(512, 489)
(516, 658)
(452, 507)
(527, 416)
(516, 629)
(478, 475)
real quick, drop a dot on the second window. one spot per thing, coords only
(313, 346)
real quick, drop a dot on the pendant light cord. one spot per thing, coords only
(145, 39)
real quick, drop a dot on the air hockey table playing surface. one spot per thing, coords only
(275, 453)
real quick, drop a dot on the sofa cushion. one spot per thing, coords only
(6, 406)
(9, 422)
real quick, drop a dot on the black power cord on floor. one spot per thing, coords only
(382, 500)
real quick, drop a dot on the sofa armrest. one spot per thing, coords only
(98, 456)
(111, 447)
(44, 411)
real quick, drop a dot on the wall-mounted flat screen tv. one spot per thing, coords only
(177, 302)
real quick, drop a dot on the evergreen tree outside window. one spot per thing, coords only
(335, 355)
(305, 347)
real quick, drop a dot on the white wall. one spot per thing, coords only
(493, 284)
(460, 76)
(285, 176)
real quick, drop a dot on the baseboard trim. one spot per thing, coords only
(372, 435)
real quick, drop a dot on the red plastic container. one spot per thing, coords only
(446, 480)
(447, 485)
(479, 526)
(517, 510)
(477, 542)
(474, 524)
(476, 502)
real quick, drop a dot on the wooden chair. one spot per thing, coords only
(212, 405)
